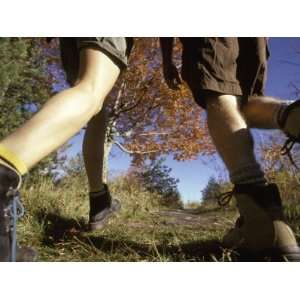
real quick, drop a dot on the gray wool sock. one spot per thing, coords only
(248, 174)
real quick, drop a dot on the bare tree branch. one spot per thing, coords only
(295, 87)
(141, 118)
(154, 133)
(133, 152)
(126, 109)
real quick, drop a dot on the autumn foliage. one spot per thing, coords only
(146, 118)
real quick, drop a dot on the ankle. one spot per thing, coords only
(98, 189)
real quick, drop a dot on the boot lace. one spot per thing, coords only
(225, 198)
(287, 149)
(16, 211)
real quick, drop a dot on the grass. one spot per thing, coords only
(56, 219)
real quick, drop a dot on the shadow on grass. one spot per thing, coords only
(59, 230)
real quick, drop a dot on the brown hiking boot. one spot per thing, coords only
(261, 228)
(10, 210)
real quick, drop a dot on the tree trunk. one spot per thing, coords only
(107, 149)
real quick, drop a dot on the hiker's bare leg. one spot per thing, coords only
(102, 205)
(65, 113)
(93, 151)
(232, 137)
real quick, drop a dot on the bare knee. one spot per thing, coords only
(219, 102)
(94, 96)
(223, 111)
(97, 76)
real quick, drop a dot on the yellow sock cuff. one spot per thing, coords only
(12, 159)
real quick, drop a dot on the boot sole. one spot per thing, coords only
(271, 255)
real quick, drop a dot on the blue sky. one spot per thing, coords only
(283, 71)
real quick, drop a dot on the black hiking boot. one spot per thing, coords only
(261, 230)
(102, 207)
(10, 211)
(289, 122)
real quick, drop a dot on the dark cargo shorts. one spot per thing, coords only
(116, 48)
(233, 66)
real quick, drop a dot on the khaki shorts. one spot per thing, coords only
(234, 66)
(116, 48)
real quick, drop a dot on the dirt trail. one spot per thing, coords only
(194, 217)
